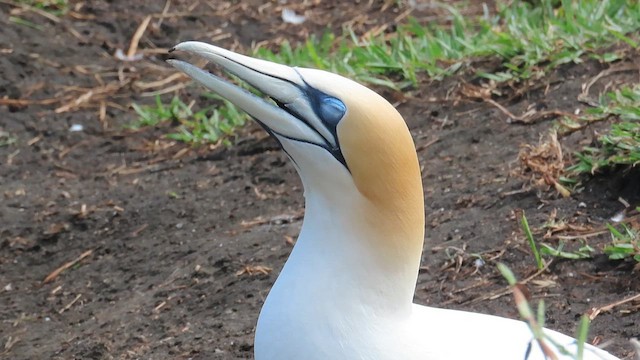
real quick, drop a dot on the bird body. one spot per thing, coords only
(426, 334)
(346, 291)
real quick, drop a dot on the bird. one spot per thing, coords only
(346, 290)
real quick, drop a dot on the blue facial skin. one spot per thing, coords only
(331, 111)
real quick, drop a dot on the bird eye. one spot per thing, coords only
(332, 110)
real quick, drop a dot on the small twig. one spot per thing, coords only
(166, 90)
(504, 110)
(69, 305)
(75, 103)
(594, 312)
(595, 232)
(529, 117)
(253, 270)
(584, 95)
(509, 290)
(10, 342)
(283, 218)
(142, 85)
(457, 291)
(135, 40)
(535, 275)
(183, 14)
(159, 306)
(54, 274)
(102, 115)
(579, 236)
(165, 10)
(428, 144)
(25, 102)
(137, 231)
(124, 170)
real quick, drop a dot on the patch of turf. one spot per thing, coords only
(55, 7)
(625, 243)
(209, 125)
(618, 145)
(528, 39)
(6, 138)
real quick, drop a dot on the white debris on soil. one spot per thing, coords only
(289, 16)
(76, 128)
(618, 217)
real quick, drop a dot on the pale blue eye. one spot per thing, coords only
(332, 110)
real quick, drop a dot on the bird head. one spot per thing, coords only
(344, 139)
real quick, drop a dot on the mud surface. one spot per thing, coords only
(169, 249)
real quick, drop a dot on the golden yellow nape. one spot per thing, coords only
(379, 150)
(346, 290)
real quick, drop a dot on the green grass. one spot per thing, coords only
(620, 144)
(532, 243)
(528, 40)
(524, 41)
(208, 125)
(6, 139)
(50, 8)
(536, 321)
(625, 243)
(55, 7)
(22, 22)
(583, 252)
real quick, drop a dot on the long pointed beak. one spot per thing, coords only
(294, 115)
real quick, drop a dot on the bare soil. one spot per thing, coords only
(170, 250)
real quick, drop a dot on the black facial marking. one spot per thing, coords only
(527, 353)
(273, 135)
(329, 109)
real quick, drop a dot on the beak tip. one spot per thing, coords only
(183, 46)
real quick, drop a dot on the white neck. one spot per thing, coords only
(334, 285)
(335, 253)
(341, 257)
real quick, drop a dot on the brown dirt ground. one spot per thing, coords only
(174, 237)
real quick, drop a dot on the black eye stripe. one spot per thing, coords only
(333, 108)
(330, 110)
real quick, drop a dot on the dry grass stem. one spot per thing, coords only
(54, 274)
(594, 312)
(135, 40)
(69, 305)
(544, 163)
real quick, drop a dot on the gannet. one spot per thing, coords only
(346, 291)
